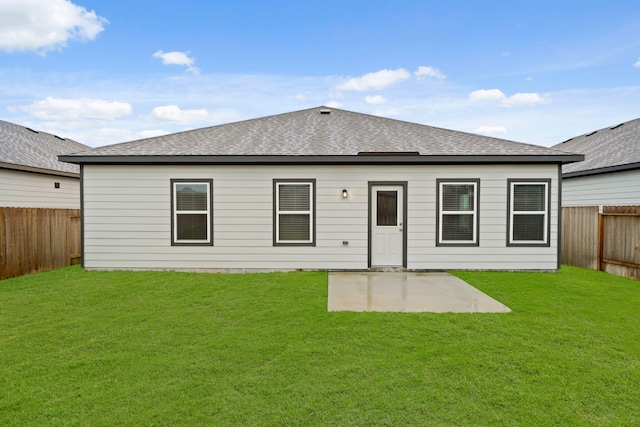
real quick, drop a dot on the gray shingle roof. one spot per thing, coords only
(608, 148)
(29, 148)
(320, 131)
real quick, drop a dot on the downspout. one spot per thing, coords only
(82, 254)
(559, 216)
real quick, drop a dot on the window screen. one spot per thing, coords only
(528, 212)
(191, 206)
(293, 212)
(457, 212)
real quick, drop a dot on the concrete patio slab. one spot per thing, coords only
(407, 292)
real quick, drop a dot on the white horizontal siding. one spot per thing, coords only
(127, 218)
(610, 189)
(492, 252)
(21, 189)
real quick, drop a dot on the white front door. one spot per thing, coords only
(387, 244)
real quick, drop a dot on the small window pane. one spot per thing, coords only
(294, 197)
(387, 205)
(192, 226)
(528, 227)
(191, 197)
(457, 197)
(294, 227)
(528, 197)
(457, 227)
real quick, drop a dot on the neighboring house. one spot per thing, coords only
(31, 176)
(321, 188)
(610, 173)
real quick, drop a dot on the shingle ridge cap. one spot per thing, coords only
(611, 127)
(177, 135)
(451, 131)
(41, 132)
(199, 129)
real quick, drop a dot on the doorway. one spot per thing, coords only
(387, 224)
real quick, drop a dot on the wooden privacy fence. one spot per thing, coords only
(35, 239)
(607, 240)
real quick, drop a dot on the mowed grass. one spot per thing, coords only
(150, 348)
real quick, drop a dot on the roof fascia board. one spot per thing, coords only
(23, 168)
(599, 171)
(318, 160)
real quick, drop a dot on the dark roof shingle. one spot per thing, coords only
(320, 131)
(26, 147)
(606, 148)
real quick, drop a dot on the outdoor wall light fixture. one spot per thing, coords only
(344, 193)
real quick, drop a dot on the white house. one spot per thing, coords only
(610, 173)
(321, 188)
(31, 176)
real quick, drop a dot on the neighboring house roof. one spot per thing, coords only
(321, 135)
(23, 148)
(611, 149)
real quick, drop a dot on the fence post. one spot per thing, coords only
(600, 241)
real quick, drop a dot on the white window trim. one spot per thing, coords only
(176, 213)
(442, 212)
(310, 212)
(545, 213)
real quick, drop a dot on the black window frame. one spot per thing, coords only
(312, 212)
(476, 212)
(546, 242)
(175, 213)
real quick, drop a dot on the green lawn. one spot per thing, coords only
(121, 348)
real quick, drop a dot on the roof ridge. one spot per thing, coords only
(606, 128)
(605, 149)
(23, 146)
(313, 132)
(209, 127)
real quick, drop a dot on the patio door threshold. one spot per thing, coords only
(387, 269)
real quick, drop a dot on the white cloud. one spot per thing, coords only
(45, 25)
(637, 64)
(375, 81)
(432, 72)
(375, 99)
(173, 114)
(93, 137)
(333, 104)
(88, 135)
(486, 95)
(572, 112)
(177, 58)
(490, 130)
(73, 109)
(525, 99)
(518, 99)
(387, 112)
(152, 132)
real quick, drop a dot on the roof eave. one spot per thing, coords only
(318, 160)
(33, 169)
(599, 171)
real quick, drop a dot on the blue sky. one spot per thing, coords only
(103, 72)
